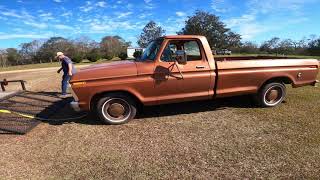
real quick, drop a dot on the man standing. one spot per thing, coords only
(68, 70)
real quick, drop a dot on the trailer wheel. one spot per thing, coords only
(115, 109)
(271, 94)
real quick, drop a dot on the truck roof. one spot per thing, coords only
(182, 36)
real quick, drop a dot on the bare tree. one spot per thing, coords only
(3, 58)
(112, 46)
(149, 33)
(29, 52)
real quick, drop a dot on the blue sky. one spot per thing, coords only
(25, 20)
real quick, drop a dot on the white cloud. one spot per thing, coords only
(87, 7)
(11, 14)
(66, 14)
(90, 6)
(180, 14)
(25, 36)
(149, 4)
(122, 15)
(36, 25)
(246, 18)
(179, 23)
(266, 6)
(268, 16)
(63, 27)
(147, 1)
(101, 4)
(111, 25)
(251, 30)
(46, 16)
(247, 26)
(220, 6)
(144, 15)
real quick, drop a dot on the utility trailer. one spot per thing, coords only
(23, 110)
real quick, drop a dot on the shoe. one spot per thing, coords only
(63, 96)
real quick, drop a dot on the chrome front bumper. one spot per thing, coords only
(75, 106)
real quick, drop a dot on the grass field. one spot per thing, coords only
(221, 139)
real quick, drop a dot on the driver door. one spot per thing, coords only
(176, 82)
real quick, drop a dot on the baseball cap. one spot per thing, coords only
(59, 54)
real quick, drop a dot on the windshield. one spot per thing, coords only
(151, 51)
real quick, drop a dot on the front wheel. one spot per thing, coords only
(271, 94)
(115, 109)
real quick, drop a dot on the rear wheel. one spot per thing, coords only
(271, 94)
(116, 109)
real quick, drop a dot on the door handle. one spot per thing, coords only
(200, 67)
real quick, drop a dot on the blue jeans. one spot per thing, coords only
(64, 83)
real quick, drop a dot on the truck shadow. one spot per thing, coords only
(246, 101)
(160, 110)
(47, 107)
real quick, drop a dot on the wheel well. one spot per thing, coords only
(96, 97)
(285, 80)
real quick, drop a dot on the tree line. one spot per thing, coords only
(306, 46)
(43, 51)
(201, 23)
(221, 37)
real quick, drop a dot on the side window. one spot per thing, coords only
(191, 47)
(192, 50)
(169, 52)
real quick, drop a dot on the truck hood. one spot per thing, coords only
(106, 70)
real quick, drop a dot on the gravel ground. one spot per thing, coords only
(228, 138)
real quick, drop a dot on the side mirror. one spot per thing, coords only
(137, 55)
(181, 57)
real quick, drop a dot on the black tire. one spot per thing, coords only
(116, 108)
(271, 95)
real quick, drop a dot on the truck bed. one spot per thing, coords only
(244, 75)
(234, 58)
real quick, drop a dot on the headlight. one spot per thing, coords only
(79, 83)
(73, 94)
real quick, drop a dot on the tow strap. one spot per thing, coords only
(20, 114)
(42, 119)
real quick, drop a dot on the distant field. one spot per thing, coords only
(48, 65)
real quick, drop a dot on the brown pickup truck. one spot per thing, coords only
(182, 68)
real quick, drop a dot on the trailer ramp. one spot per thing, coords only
(19, 110)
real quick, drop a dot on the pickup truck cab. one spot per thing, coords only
(182, 68)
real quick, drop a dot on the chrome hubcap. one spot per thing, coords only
(116, 109)
(273, 95)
